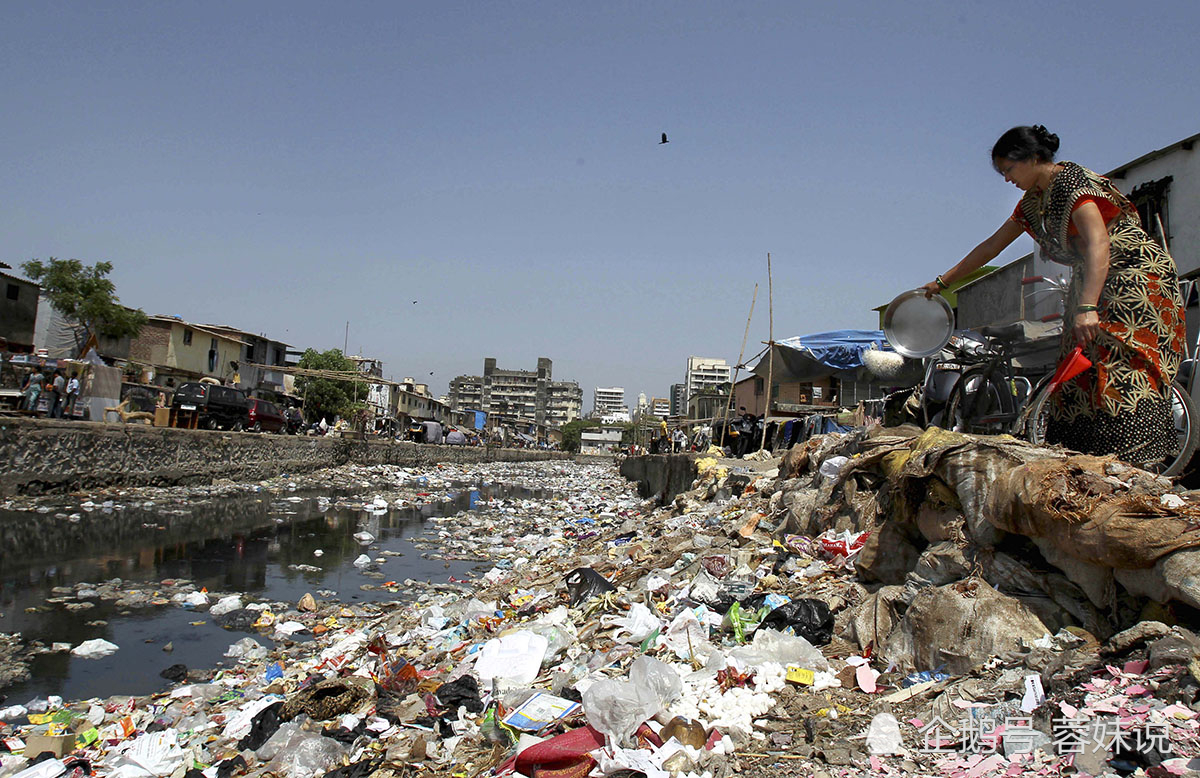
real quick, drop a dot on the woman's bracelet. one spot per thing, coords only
(1087, 308)
(941, 284)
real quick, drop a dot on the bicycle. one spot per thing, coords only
(988, 398)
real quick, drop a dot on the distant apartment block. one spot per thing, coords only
(608, 400)
(678, 399)
(660, 406)
(704, 374)
(524, 394)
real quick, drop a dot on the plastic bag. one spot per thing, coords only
(225, 605)
(558, 630)
(246, 650)
(883, 736)
(832, 467)
(584, 583)
(278, 739)
(616, 708)
(688, 638)
(515, 658)
(744, 622)
(153, 754)
(658, 679)
(262, 727)
(307, 754)
(639, 623)
(94, 649)
(808, 618)
(772, 646)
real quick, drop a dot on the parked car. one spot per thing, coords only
(265, 416)
(295, 420)
(219, 407)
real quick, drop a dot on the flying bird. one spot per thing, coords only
(664, 139)
(414, 302)
(430, 372)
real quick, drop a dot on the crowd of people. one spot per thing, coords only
(58, 389)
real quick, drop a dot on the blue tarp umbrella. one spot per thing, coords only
(809, 357)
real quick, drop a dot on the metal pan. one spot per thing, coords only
(918, 326)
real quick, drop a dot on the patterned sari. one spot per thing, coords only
(1123, 404)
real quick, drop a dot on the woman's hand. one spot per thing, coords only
(1087, 327)
(931, 289)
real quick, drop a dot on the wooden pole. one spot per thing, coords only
(771, 353)
(736, 368)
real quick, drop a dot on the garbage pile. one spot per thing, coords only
(888, 602)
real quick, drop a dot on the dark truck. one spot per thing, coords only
(218, 407)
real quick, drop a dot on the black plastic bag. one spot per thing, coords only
(810, 619)
(360, 769)
(241, 620)
(231, 766)
(264, 724)
(584, 583)
(463, 691)
(174, 673)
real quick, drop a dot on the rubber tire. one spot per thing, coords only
(995, 404)
(210, 423)
(1180, 403)
(237, 426)
(257, 427)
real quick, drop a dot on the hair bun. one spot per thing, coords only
(1045, 137)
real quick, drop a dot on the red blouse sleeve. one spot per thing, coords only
(1108, 211)
(1019, 217)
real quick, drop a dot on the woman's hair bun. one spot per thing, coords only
(1046, 138)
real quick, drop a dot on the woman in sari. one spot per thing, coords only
(1123, 306)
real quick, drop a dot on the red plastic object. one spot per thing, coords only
(1073, 365)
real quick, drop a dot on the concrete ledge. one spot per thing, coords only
(43, 456)
(661, 476)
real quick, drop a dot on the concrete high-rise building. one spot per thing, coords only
(524, 394)
(607, 400)
(678, 399)
(704, 374)
(660, 406)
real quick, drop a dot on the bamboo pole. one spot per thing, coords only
(736, 368)
(771, 352)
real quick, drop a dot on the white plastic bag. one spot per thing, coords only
(246, 649)
(615, 708)
(155, 754)
(656, 680)
(94, 649)
(225, 605)
(516, 658)
(772, 646)
(635, 627)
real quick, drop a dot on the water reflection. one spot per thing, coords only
(257, 543)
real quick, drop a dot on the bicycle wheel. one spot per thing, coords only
(1183, 414)
(976, 402)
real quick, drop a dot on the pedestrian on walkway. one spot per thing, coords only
(32, 390)
(1123, 306)
(72, 394)
(58, 394)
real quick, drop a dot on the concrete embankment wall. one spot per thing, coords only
(41, 456)
(661, 475)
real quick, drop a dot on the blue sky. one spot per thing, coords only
(288, 167)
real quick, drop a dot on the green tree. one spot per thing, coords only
(325, 397)
(84, 294)
(572, 430)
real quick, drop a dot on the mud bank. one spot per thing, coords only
(43, 457)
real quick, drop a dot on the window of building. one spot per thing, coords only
(13, 292)
(187, 337)
(758, 386)
(1151, 201)
(213, 344)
